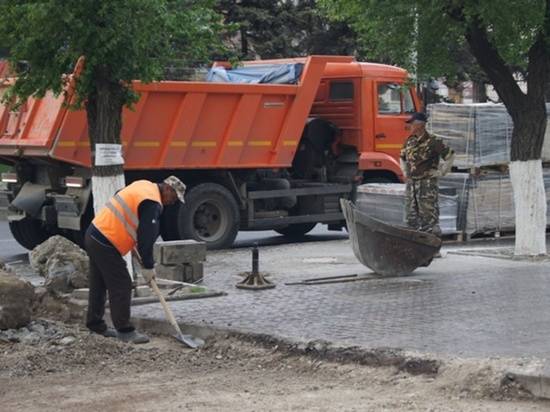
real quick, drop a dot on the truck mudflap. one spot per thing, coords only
(388, 250)
(30, 199)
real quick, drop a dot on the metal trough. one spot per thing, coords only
(388, 250)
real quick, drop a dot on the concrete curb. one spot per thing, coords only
(535, 380)
(319, 350)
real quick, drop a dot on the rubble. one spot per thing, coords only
(16, 298)
(63, 264)
(36, 332)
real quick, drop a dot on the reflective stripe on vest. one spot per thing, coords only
(118, 221)
(131, 231)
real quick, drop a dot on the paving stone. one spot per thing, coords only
(459, 305)
(175, 272)
(179, 251)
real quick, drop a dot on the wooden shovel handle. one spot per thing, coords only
(167, 310)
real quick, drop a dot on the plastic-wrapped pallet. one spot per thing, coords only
(386, 202)
(479, 133)
(486, 202)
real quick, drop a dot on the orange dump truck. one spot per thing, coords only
(255, 156)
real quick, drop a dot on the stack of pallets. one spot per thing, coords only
(481, 135)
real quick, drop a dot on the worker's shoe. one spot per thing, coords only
(107, 332)
(133, 337)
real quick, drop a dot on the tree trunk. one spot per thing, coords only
(104, 114)
(528, 113)
(479, 91)
(530, 207)
(527, 178)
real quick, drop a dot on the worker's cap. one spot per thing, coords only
(177, 185)
(417, 117)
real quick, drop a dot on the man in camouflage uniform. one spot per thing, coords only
(424, 158)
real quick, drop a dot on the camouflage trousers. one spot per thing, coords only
(422, 205)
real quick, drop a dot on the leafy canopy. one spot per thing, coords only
(424, 34)
(121, 40)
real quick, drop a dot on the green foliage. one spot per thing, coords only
(285, 28)
(436, 28)
(121, 40)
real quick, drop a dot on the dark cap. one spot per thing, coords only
(417, 117)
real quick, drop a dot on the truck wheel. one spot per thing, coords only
(210, 214)
(296, 230)
(28, 232)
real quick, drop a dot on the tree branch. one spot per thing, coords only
(493, 64)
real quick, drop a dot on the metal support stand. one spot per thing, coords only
(255, 280)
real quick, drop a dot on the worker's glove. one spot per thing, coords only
(148, 275)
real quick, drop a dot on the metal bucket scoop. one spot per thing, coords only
(386, 249)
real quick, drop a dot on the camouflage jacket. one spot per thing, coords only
(422, 155)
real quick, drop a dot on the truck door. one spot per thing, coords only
(393, 104)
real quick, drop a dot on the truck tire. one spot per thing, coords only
(28, 232)
(210, 214)
(296, 230)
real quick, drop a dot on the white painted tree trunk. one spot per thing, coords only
(103, 188)
(530, 207)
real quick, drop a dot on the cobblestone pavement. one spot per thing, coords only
(460, 305)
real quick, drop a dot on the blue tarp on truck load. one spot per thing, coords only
(273, 74)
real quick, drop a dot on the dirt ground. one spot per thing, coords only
(69, 369)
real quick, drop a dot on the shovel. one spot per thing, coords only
(187, 340)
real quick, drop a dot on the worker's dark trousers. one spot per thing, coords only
(108, 272)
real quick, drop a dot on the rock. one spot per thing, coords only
(31, 338)
(53, 306)
(67, 340)
(68, 271)
(16, 300)
(38, 257)
(64, 265)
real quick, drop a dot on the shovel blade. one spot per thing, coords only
(190, 341)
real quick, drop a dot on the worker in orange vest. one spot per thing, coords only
(130, 219)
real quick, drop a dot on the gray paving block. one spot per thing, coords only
(194, 272)
(179, 251)
(175, 272)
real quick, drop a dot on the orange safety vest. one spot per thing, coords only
(118, 220)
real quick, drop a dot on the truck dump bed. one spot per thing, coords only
(178, 125)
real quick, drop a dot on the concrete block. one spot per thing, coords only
(194, 272)
(143, 291)
(179, 251)
(175, 272)
(533, 378)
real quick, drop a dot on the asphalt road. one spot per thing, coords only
(10, 250)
